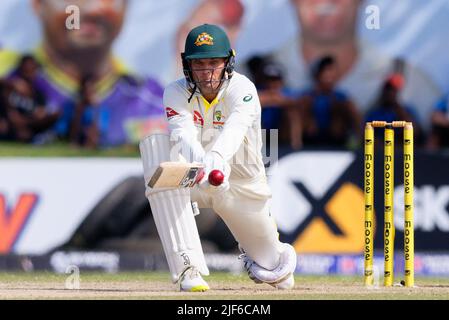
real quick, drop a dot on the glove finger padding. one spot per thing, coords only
(214, 161)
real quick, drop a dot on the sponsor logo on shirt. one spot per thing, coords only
(170, 113)
(248, 98)
(198, 119)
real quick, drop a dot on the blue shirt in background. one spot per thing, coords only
(321, 106)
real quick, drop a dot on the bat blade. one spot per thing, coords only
(176, 175)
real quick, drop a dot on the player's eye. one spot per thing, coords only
(216, 62)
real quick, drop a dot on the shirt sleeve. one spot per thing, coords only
(244, 108)
(180, 124)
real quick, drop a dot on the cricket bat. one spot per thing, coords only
(177, 175)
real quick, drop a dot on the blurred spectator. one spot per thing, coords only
(439, 136)
(255, 66)
(272, 97)
(67, 56)
(389, 108)
(88, 117)
(329, 27)
(329, 117)
(4, 125)
(276, 101)
(85, 120)
(25, 104)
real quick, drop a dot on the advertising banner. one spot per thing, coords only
(318, 201)
(42, 201)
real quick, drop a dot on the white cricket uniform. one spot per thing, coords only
(230, 126)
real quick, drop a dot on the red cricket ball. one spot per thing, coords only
(216, 177)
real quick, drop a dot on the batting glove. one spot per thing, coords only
(214, 161)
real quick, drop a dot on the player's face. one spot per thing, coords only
(327, 21)
(100, 22)
(207, 73)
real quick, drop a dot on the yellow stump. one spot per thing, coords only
(408, 206)
(388, 206)
(369, 203)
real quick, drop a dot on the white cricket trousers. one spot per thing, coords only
(245, 209)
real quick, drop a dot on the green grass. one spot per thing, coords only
(42, 277)
(224, 286)
(61, 149)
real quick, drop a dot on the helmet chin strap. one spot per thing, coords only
(193, 92)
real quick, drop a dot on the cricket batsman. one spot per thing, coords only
(214, 117)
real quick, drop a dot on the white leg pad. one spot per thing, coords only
(173, 216)
(155, 149)
(172, 212)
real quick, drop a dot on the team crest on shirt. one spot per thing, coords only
(218, 119)
(217, 115)
(198, 119)
(204, 38)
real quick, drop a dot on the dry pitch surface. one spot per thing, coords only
(157, 285)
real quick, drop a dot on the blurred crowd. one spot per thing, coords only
(319, 116)
(73, 88)
(322, 116)
(35, 110)
(317, 91)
